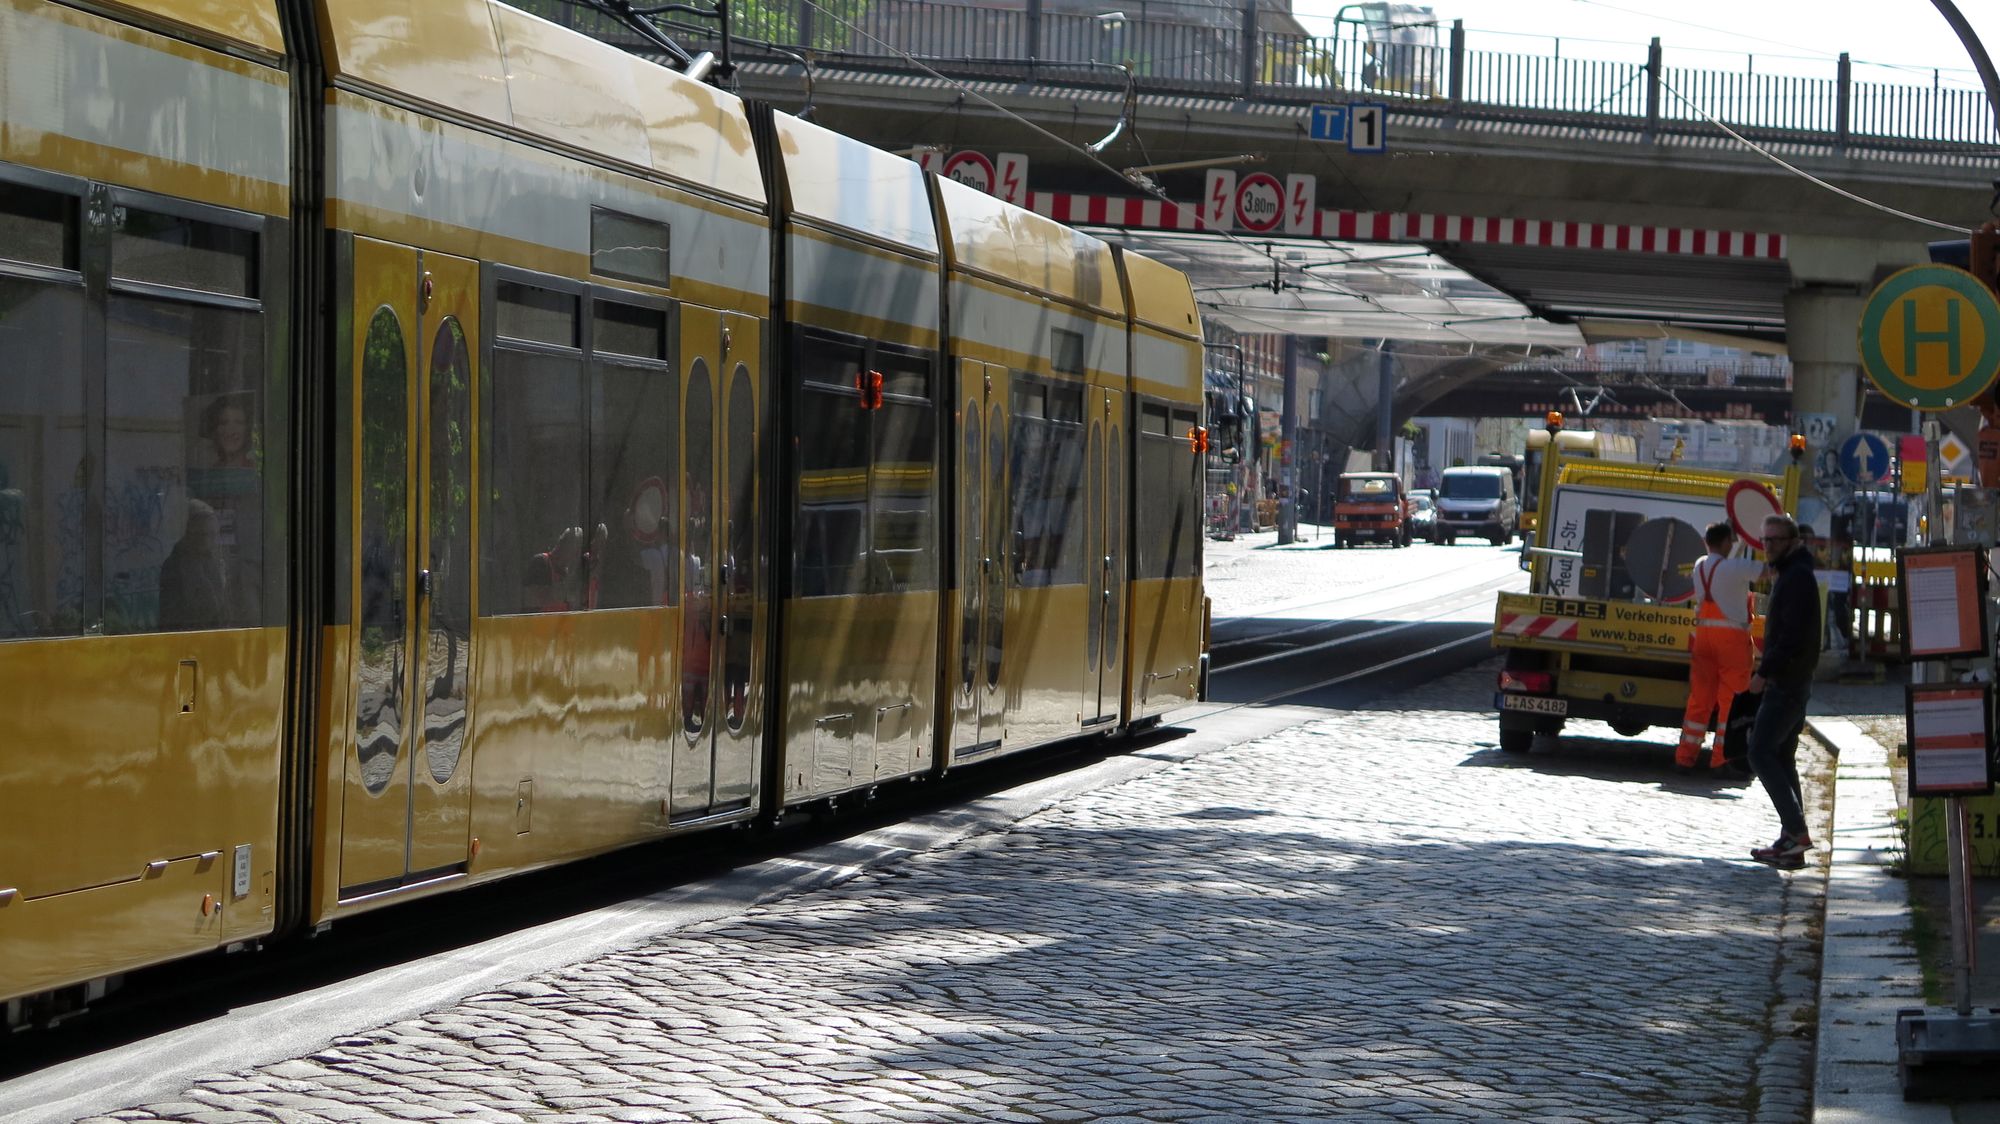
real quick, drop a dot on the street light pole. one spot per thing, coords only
(1974, 1041)
(1980, 60)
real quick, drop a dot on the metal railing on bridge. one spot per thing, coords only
(1750, 372)
(1183, 46)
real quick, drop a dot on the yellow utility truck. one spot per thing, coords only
(1570, 443)
(1604, 630)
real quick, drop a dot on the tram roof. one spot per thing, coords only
(1160, 295)
(489, 61)
(996, 238)
(839, 181)
(244, 23)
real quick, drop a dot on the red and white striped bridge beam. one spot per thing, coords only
(1398, 226)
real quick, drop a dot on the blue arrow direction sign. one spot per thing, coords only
(1329, 123)
(1864, 459)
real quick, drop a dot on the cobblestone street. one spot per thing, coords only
(1373, 916)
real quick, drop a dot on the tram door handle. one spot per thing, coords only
(423, 585)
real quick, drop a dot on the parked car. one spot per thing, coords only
(1478, 500)
(1370, 506)
(1423, 516)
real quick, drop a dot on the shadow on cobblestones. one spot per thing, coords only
(1338, 922)
(1616, 759)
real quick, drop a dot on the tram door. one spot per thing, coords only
(722, 644)
(982, 555)
(1104, 510)
(405, 809)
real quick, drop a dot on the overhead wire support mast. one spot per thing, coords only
(1981, 61)
(640, 21)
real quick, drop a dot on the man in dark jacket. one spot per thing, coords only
(1785, 673)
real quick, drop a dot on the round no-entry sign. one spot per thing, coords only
(1749, 501)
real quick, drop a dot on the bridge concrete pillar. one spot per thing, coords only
(1820, 322)
(1831, 278)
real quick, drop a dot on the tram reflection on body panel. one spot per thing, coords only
(663, 462)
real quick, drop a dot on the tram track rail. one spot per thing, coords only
(1293, 608)
(1458, 600)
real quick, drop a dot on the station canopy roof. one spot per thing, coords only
(1309, 287)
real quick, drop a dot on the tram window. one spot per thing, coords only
(1066, 351)
(623, 329)
(899, 497)
(1029, 399)
(1045, 464)
(527, 312)
(906, 375)
(183, 467)
(532, 525)
(164, 249)
(1027, 464)
(1178, 486)
(42, 473)
(1063, 498)
(1155, 533)
(902, 482)
(1066, 404)
(832, 362)
(629, 248)
(831, 531)
(635, 471)
(37, 227)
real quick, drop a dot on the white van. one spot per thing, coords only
(1478, 500)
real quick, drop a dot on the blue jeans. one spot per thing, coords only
(1774, 748)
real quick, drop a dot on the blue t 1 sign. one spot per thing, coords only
(1368, 127)
(1329, 123)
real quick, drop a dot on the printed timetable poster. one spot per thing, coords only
(1943, 591)
(1951, 739)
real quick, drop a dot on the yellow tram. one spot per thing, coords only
(436, 445)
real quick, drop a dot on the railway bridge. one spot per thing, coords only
(1510, 204)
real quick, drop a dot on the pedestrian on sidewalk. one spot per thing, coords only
(1840, 583)
(1785, 674)
(1720, 647)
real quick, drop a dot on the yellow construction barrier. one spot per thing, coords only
(1878, 628)
(1928, 854)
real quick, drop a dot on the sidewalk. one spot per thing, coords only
(1870, 967)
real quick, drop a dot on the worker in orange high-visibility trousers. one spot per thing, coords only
(1721, 647)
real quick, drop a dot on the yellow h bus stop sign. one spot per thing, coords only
(1930, 337)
